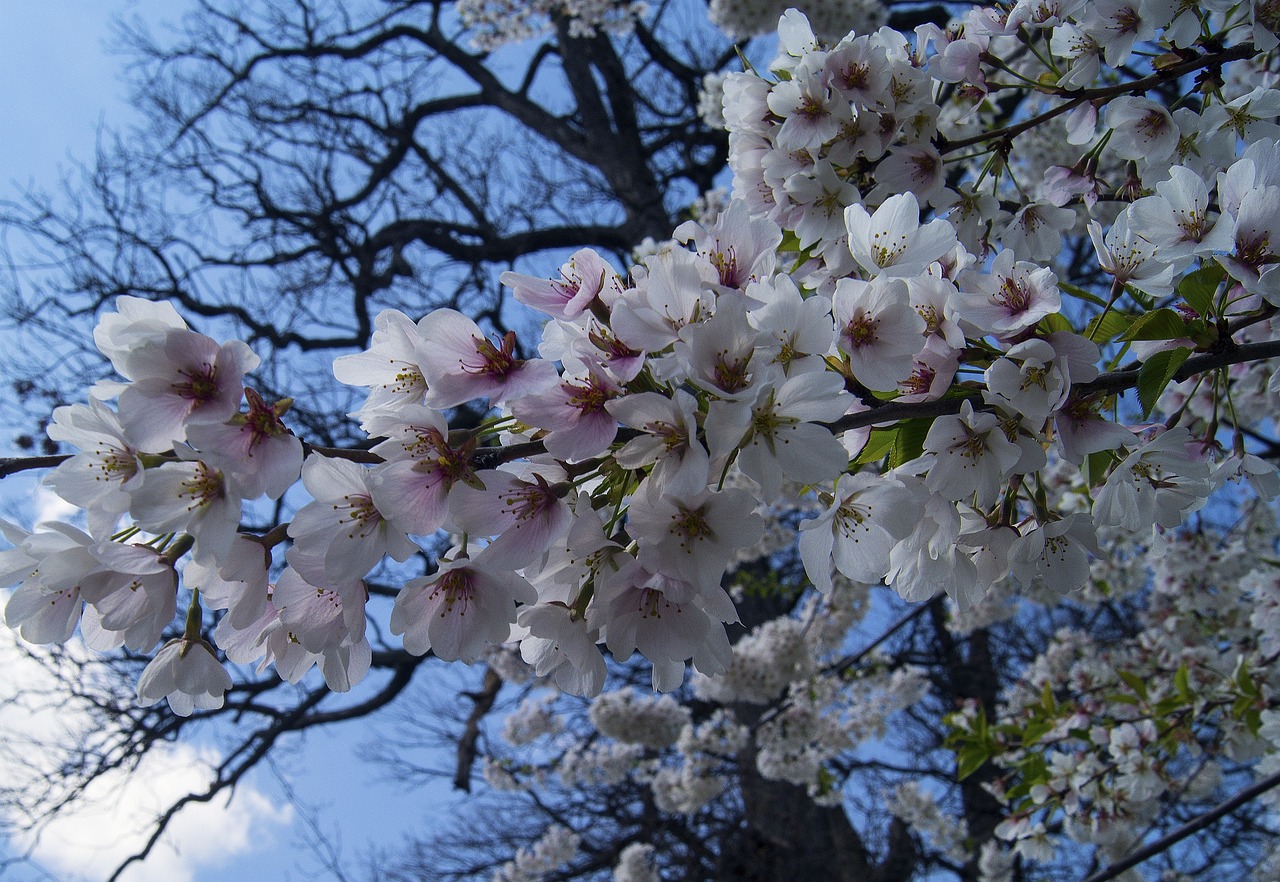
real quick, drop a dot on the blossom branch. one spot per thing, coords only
(1193, 826)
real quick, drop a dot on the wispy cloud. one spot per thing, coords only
(112, 819)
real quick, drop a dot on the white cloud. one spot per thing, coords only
(114, 817)
(49, 506)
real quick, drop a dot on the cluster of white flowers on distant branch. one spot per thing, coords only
(876, 317)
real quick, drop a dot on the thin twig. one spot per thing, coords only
(1195, 825)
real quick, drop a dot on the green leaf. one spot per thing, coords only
(1047, 701)
(1108, 326)
(1054, 322)
(1136, 683)
(1198, 288)
(1155, 374)
(1033, 731)
(970, 759)
(1096, 466)
(1245, 680)
(878, 445)
(1080, 293)
(1161, 324)
(1182, 680)
(909, 443)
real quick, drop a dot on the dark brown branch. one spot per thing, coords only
(467, 750)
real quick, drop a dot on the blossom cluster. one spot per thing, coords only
(877, 317)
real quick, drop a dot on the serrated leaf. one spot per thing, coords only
(878, 445)
(1160, 324)
(1108, 326)
(1197, 288)
(1155, 374)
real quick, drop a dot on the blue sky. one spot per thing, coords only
(59, 85)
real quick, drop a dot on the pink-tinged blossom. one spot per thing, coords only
(48, 565)
(878, 330)
(718, 353)
(973, 216)
(319, 615)
(135, 324)
(189, 497)
(342, 530)
(414, 493)
(1176, 220)
(1261, 475)
(673, 292)
(970, 456)
(585, 277)
(1142, 129)
(108, 468)
(670, 436)
(641, 608)
(1257, 238)
(562, 647)
(1055, 554)
(1131, 259)
(892, 241)
(461, 364)
(389, 367)
(931, 375)
(867, 515)
(1009, 299)
(795, 332)
(1036, 230)
(255, 451)
(466, 605)
(776, 436)
(1116, 25)
(931, 296)
(741, 246)
(581, 556)
(914, 170)
(526, 515)
(692, 532)
(237, 582)
(188, 674)
(820, 199)
(573, 414)
(1028, 382)
(132, 597)
(180, 379)
(1043, 13)
(810, 117)
(1082, 53)
(269, 642)
(412, 487)
(859, 72)
(1155, 485)
(1082, 430)
(1250, 117)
